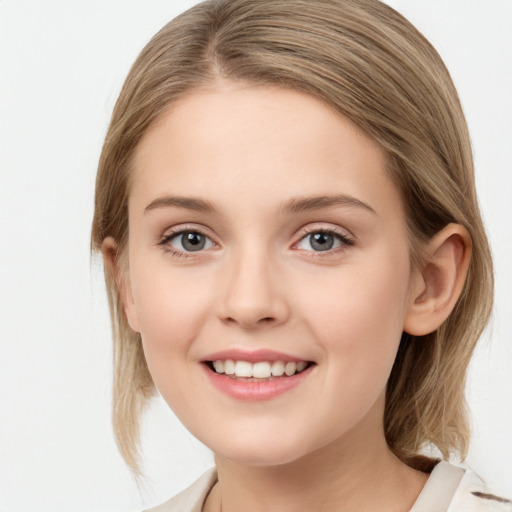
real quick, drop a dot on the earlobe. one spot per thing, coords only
(121, 277)
(440, 282)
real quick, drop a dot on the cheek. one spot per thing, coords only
(357, 319)
(171, 310)
(358, 315)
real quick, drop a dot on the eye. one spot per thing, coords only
(188, 241)
(323, 240)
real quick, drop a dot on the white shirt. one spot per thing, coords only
(448, 489)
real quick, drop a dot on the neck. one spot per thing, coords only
(351, 474)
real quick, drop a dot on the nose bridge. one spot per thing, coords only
(252, 295)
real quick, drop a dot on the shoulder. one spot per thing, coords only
(474, 495)
(192, 498)
(453, 489)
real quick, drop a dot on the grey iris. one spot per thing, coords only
(192, 241)
(321, 241)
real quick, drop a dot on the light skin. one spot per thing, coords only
(257, 173)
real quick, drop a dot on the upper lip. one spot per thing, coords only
(252, 356)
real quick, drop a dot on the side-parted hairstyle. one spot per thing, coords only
(369, 63)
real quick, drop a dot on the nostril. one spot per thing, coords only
(249, 322)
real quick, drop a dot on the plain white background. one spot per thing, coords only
(61, 66)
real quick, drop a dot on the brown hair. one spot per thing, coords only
(370, 64)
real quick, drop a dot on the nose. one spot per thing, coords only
(252, 295)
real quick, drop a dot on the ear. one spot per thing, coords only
(119, 270)
(437, 286)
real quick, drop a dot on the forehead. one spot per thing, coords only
(254, 146)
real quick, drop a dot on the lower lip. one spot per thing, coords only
(255, 391)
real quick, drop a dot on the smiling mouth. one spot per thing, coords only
(259, 371)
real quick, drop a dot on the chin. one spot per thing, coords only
(259, 457)
(264, 450)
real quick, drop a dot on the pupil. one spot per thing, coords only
(322, 241)
(193, 241)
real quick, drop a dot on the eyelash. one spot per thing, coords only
(164, 242)
(342, 237)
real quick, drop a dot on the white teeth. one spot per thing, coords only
(229, 367)
(290, 368)
(277, 368)
(219, 366)
(259, 370)
(301, 366)
(243, 369)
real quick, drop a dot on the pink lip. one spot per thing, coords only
(255, 391)
(252, 356)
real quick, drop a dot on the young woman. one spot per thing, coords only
(295, 258)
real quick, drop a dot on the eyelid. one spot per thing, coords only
(180, 228)
(346, 237)
(175, 231)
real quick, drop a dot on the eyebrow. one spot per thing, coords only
(187, 203)
(304, 204)
(293, 205)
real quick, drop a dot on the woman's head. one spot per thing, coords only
(364, 61)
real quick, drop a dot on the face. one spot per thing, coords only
(265, 236)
